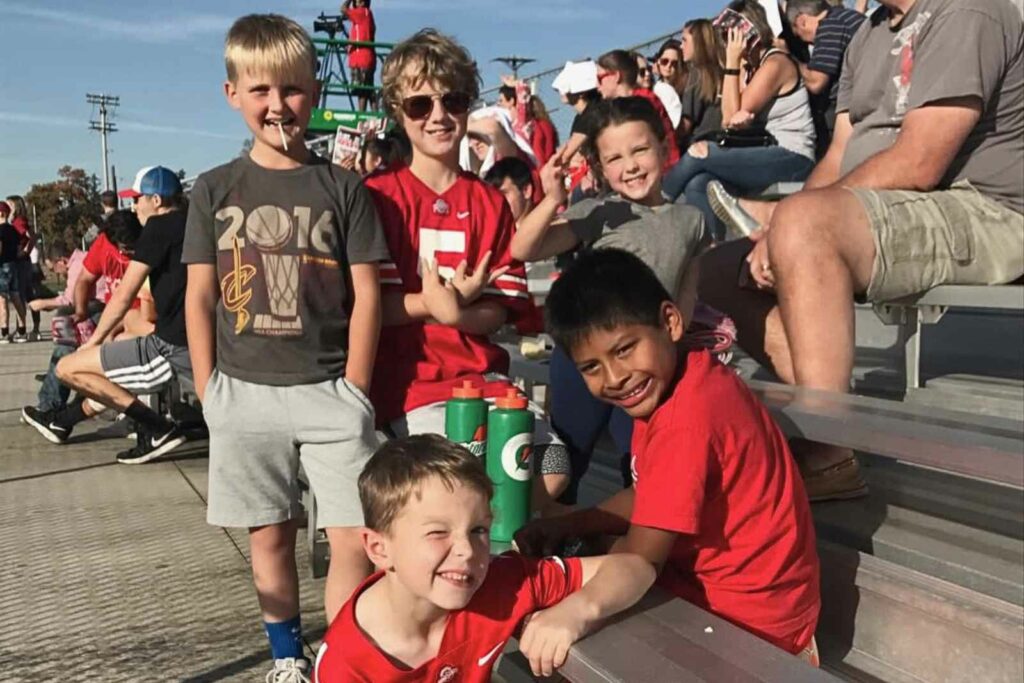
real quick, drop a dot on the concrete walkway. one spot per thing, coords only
(109, 572)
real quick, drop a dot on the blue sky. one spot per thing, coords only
(164, 61)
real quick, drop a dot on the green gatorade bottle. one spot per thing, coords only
(465, 418)
(509, 450)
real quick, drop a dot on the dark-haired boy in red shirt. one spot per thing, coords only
(717, 503)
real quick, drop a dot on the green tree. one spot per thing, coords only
(65, 209)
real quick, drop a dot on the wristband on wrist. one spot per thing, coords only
(731, 72)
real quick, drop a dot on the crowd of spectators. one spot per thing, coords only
(902, 127)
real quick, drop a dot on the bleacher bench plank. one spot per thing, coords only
(985, 447)
(663, 639)
(978, 446)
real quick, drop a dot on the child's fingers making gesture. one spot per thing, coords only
(552, 179)
(470, 285)
(439, 297)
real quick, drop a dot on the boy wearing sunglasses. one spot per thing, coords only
(282, 311)
(451, 280)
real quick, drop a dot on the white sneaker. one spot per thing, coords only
(289, 670)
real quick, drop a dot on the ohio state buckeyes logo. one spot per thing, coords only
(447, 674)
(515, 456)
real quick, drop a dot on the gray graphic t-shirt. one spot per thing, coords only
(282, 242)
(942, 49)
(667, 238)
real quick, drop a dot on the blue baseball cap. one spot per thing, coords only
(153, 180)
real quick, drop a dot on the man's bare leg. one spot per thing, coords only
(83, 372)
(760, 211)
(821, 251)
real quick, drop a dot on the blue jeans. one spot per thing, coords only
(741, 170)
(52, 394)
(579, 419)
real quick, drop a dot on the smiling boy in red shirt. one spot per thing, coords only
(717, 503)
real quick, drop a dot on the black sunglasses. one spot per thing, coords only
(420, 106)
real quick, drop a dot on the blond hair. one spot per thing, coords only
(435, 58)
(398, 469)
(269, 44)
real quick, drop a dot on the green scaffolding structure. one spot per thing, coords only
(339, 95)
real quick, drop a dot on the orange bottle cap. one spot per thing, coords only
(512, 400)
(467, 390)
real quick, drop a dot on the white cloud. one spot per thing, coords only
(48, 120)
(147, 29)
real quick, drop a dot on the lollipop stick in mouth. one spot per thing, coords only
(284, 140)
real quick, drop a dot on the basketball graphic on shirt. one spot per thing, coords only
(270, 229)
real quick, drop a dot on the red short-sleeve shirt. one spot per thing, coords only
(106, 261)
(474, 637)
(712, 465)
(419, 364)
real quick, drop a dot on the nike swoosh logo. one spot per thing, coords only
(462, 214)
(56, 427)
(487, 657)
(157, 443)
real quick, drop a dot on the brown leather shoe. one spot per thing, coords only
(841, 481)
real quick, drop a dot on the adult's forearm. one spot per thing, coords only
(890, 169)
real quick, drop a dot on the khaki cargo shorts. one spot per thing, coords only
(925, 239)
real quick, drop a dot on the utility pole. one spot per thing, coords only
(106, 104)
(514, 62)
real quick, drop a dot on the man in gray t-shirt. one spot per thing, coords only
(923, 185)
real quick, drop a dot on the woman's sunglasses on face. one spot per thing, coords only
(667, 61)
(419, 106)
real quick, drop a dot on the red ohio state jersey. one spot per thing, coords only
(474, 637)
(419, 364)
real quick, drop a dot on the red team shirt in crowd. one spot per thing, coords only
(419, 364)
(363, 29)
(544, 141)
(666, 122)
(474, 637)
(712, 465)
(105, 260)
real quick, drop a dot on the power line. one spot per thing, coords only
(106, 104)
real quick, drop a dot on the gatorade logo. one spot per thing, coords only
(515, 456)
(478, 445)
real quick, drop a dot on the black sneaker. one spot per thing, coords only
(19, 337)
(43, 421)
(151, 446)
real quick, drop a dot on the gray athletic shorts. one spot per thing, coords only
(260, 433)
(550, 453)
(144, 364)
